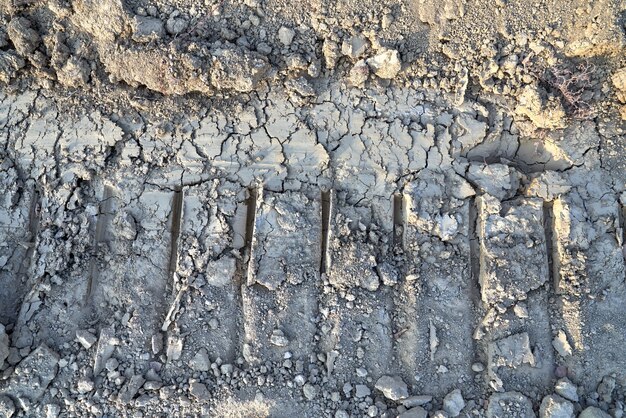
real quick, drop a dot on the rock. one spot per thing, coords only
(561, 345)
(226, 369)
(385, 64)
(478, 367)
(238, 69)
(146, 29)
(453, 403)
(512, 351)
(86, 338)
(593, 412)
(359, 73)
(560, 371)
(10, 63)
(622, 111)
(84, 385)
(278, 338)
(174, 347)
(157, 343)
(416, 412)
(362, 391)
(4, 345)
(111, 364)
(619, 81)
(310, 391)
(106, 345)
(544, 113)
(553, 406)
(152, 385)
(392, 387)
(130, 388)
(176, 25)
(52, 410)
(606, 388)
(33, 375)
(354, 47)
(200, 362)
(301, 86)
(387, 20)
(510, 404)
(331, 52)
(199, 391)
(566, 389)
(498, 180)
(286, 35)
(419, 400)
(7, 408)
(24, 38)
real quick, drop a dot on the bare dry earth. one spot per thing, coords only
(265, 208)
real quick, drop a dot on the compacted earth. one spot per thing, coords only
(278, 208)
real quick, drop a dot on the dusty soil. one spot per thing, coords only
(271, 208)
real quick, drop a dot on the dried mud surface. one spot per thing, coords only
(270, 208)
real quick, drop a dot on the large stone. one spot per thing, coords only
(10, 63)
(510, 352)
(454, 403)
(354, 47)
(146, 29)
(24, 38)
(393, 388)
(286, 35)
(566, 389)
(200, 362)
(553, 406)
(386, 64)
(130, 389)
(498, 180)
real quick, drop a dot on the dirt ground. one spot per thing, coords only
(277, 208)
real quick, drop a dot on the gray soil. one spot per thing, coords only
(277, 208)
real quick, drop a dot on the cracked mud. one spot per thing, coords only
(261, 208)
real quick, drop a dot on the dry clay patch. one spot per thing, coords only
(401, 244)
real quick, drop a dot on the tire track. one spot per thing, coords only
(436, 306)
(590, 308)
(357, 302)
(280, 298)
(209, 313)
(514, 279)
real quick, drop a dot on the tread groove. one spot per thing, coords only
(176, 217)
(103, 210)
(399, 220)
(551, 248)
(622, 225)
(251, 209)
(327, 197)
